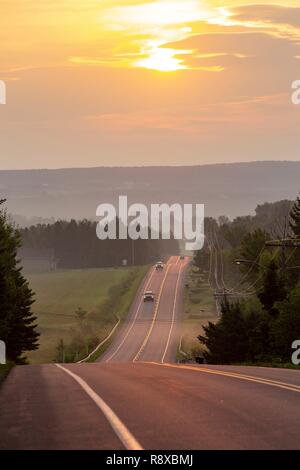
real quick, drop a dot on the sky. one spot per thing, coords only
(135, 82)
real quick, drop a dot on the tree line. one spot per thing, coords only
(260, 328)
(74, 244)
(256, 330)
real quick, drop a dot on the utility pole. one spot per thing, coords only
(284, 243)
(225, 294)
(222, 296)
(288, 242)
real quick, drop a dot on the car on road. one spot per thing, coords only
(182, 257)
(159, 265)
(148, 296)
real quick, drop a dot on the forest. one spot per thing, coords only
(74, 245)
(253, 263)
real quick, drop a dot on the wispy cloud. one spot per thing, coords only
(248, 111)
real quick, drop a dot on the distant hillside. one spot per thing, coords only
(229, 189)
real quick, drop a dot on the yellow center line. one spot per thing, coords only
(154, 316)
(133, 321)
(250, 378)
(173, 313)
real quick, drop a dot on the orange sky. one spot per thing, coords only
(135, 83)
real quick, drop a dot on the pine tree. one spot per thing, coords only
(226, 341)
(273, 289)
(250, 249)
(295, 218)
(17, 328)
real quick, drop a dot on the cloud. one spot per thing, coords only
(81, 101)
(262, 62)
(249, 111)
(271, 14)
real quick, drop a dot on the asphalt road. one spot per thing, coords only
(149, 406)
(137, 397)
(151, 332)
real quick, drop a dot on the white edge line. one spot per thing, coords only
(123, 433)
(146, 339)
(133, 322)
(173, 313)
(180, 347)
(102, 342)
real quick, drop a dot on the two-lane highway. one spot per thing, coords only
(161, 342)
(149, 406)
(151, 330)
(137, 397)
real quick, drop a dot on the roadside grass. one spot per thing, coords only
(102, 293)
(122, 303)
(199, 308)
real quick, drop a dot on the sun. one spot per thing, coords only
(152, 25)
(162, 60)
(162, 12)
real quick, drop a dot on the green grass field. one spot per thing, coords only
(59, 294)
(199, 308)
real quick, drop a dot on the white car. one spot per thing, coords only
(159, 265)
(148, 296)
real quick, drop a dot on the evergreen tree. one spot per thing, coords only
(285, 328)
(17, 328)
(227, 340)
(273, 288)
(251, 247)
(295, 218)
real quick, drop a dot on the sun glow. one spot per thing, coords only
(158, 13)
(163, 60)
(158, 23)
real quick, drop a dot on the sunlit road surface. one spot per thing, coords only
(151, 332)
(137, 397)
(160, 407)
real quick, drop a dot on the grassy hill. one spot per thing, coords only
(101, 292)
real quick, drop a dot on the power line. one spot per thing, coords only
(219, 250)
(242, 280)
(283, 244)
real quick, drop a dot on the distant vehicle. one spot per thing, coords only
(182, 257)
(159, 265)
(148, 296)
